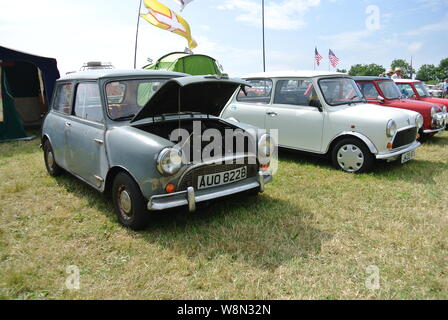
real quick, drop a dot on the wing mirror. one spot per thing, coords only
(381, 99)
(317, 104)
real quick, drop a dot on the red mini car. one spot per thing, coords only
(384, 92)
(417, 90)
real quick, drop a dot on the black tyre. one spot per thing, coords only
(352, 155)
(50, 163)
(129, 203)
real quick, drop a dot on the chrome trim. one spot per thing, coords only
(217, 161)
(398, 152)
(98, 141)
(261, 181)
(191, 197)
(433, 130)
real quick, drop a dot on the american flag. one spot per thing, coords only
(333, 59)
(317, 56)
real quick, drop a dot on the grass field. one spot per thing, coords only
(312, 235)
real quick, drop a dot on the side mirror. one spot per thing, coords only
(380, 99)
(316, 103)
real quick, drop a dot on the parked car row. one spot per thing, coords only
(158, 140)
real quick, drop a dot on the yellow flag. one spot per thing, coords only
(164, 18)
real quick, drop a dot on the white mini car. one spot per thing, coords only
(325, 113)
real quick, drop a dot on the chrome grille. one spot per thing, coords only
(191, 178)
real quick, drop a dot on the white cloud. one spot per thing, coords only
(437, 28)
(286, 15)
(415, 46)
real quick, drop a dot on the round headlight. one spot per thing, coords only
(433, 112)
(266, 146)
(169, 161)
(391, 129)
(419, 121)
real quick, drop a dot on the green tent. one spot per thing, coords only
(194, 64)
(11, 129)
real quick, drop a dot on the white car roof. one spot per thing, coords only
(293, 74)
(406, 80)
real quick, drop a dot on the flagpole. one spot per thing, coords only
(264, 44)
(136, 34)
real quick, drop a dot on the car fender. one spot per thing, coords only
(142, 165)
(358, 135)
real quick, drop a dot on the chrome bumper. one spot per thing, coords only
(433, 130)
(191, 196)
(397, 153)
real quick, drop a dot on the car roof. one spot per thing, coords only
(115, 73)
(293, 74)
(367, 78)
(406, 80)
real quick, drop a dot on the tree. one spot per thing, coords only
(428, 72)
(341, 70)
(442, 71)
(405, 67)
(366, 70)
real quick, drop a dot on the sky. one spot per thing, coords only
(365, 31)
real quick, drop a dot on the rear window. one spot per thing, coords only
(259, 92)
(64, 98)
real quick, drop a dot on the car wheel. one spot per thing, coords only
(50, 163)
(353, 156)
(129, 203)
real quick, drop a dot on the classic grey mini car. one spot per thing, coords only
(153, 140)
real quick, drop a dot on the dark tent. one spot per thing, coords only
(27, 83)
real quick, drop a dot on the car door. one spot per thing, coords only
(87, 155)
(296, 115)
(250, 104)
(56, 121)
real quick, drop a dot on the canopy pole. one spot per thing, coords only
(264, 44)
(136, 34)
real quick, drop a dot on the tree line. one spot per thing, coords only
(427, 72)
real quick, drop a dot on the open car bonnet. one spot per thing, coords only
(199, 94)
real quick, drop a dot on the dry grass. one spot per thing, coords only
(310, 236)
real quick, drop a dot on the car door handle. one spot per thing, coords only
(98, 141)
(272, 113)
(68, 124)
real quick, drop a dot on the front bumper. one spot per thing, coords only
(394, 154)
(433, 130)
(191, 197)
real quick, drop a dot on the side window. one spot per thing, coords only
(295, 92)
(64, 96)
(406, 90)
(260, 92)
(88, 102)
(368, 90)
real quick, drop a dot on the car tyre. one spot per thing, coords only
(50, 163)
(129, 203)
(352, 156)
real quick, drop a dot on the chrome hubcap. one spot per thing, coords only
(350, 158)
(125, 203)
(50, 159)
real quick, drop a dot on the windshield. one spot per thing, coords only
(125, 98)
(421, 89)
(389, 90)
(406, 90)
(338, 91)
